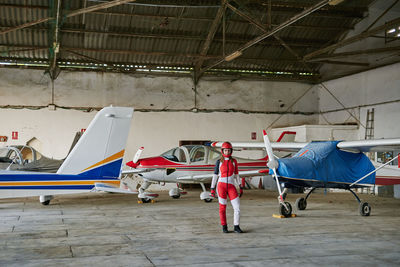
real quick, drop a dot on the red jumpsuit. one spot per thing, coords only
(226, 172)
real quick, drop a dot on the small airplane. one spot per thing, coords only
(186, 164)
(94, 164)
(26, 158)
(324, 164)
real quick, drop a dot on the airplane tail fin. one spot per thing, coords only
(100, 150)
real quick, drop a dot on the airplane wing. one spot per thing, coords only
(377, 145)
(104, 187)
(287, 146)
(134, 171)
(207, 177)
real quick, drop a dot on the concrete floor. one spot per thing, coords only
(114, 230)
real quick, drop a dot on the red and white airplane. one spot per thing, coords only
(186, 164)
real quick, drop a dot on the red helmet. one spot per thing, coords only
(226, 145)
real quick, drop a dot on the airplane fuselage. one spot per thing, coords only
(168, 171)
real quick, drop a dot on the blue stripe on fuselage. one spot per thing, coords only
(105, 172)
(51, 187)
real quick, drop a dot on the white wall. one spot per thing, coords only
(152, 128)
(378, 88)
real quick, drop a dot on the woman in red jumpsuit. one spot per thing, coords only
(226, 172)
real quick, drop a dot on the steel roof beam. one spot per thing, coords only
(207, 43)
(353, 39)
(265, 29)
(357, 52)
(271, 32)
(23, 48)
(70, 14)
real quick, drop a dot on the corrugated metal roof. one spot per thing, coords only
(168, 34)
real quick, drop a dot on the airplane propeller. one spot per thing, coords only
(274, 164)
(134, 163)
(137, 155)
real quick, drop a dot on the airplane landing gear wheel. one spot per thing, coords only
(176, 196)
(45, 203)
(365, 209)
(285, 212)
(145, 200)
(208, 200)
(301, 203)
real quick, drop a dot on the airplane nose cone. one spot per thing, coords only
(132, 165)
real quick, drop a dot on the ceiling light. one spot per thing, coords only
(391, 31)
(233, 55)
(335, 2)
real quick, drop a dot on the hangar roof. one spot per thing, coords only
(286, 40)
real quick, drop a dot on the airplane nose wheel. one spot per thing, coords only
(285, 212)
(208, 200)
(365, 209)
(45, 203)
(301, 203)
(145, 200)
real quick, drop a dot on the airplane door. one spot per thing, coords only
(178, 155)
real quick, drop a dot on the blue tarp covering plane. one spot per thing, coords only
(324, 164)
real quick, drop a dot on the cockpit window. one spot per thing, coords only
(213, 154)
(176, 154)
(197, 153)
(27, 154)
(9, 155)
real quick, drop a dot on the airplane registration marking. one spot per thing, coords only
(116, 156)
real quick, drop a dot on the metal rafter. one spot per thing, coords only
(22, 48)
(55, 44)
(280, 8)
(357, 52)
(229, 39)
(265, 29)
(70, 14)
(207, 43)
(353, 39)
(271, 32)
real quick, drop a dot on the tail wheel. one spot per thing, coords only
(365, 209)
(285, 212)
(301, 203)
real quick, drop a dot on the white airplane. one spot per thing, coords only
(327, 164)
(93, 164)
(190, 164)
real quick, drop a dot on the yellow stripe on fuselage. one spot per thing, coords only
(107, 160)
(23, 183)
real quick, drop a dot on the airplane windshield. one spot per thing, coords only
(176, 154)
(197, 153)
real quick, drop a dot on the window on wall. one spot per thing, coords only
(193, 142)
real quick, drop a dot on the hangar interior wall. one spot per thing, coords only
(167, 109)
(378, 89)
(164, 106)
